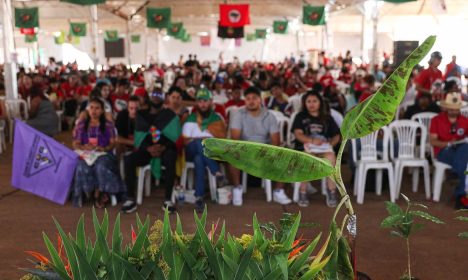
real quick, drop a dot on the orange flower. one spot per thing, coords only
(39, 257)
(134, 236)
(295, 247)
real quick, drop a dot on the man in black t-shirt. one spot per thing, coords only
(125, 124)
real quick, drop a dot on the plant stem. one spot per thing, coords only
(339, 180)
(409, 258)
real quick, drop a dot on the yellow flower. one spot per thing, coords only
(155, 237)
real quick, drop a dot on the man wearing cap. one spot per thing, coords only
(156, 132)
(204, 123)
(448, 136)
(254, 123)
(430, 76)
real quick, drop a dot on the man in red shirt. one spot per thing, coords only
(121, 96)
(426, 80)
(448, 136)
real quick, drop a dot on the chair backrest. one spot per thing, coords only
(369, 146)
(337, 117)
(464, 111)
(406, 132)
(283, 123)
(296, 102)
(17, 108)
(231, 110)
(424, 119)
(290, 135)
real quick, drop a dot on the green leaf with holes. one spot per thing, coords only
(267, 161)
(379, 109)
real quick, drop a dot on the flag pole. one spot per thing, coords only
(9, 52)
(94, 36)
(129, 51)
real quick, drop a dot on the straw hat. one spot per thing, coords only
(453, 100)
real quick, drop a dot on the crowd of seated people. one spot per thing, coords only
(158, 116)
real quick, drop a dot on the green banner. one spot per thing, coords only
(260, 33)
(78, 29)
(187, 38)
(135, 38)
(27, 17)
(84, 2)
(175, 29)
(158, 17)
(251, 37)
(313, 15)
(280, 27)
(30, 38)
(60, 39)
(111, 35)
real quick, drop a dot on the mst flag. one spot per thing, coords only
(78, 29)
(135, 38)
(27, 31)
(187, 38)
(41, 165)
(111, 36)
(205, 41)
(158, 17)
(230, 32)
(260, 33)
(27, 17)
(234, 15)
(280, 27)
(30, 38)
(60, 39)
(175, 29)
(84, 2)
(313, 15)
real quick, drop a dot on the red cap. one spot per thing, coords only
(141, 92)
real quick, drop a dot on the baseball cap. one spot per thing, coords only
(204, 94)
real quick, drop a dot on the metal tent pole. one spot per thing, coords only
(94, 36)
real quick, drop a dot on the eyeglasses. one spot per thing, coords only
(453, 128)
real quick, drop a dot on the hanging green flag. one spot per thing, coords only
(251, 37)
(27, 17)
(158, 17)
(187, 38)
(60, 39)
(280, 26)
(135, 38)
(313, 15)
(260, 33)
(30, 38)
(174, 29)
(182, 34)
(111, 35)
(78, 29)
(399, 1)
(84, 2)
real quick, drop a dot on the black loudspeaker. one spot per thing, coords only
(114, 49)
(401, 50)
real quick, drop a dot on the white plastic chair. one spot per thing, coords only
(2, 136)
(424, 119)
(406, 131)
(187, 181)
(464, 111)
(144, 181)
(283, 123)
(297, 187)
(16, 108)
(266, 184)
(296, 102)
(369, 159)
(290, 135)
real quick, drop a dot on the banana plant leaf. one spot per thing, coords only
(267, 161)
(379, 109)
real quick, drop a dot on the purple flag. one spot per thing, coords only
(41, 165)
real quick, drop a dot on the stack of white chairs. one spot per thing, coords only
(406, 132)
(16, 109)
(368, 158)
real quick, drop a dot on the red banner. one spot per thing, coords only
(27, 31)
(205, 41)
(234, 15)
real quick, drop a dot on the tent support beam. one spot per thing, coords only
(9, 52)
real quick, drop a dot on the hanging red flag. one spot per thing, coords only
(234, 15)
(27, 31)
(205, 41)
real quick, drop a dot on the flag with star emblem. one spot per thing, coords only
(312, 15)
(27, 17)
(158, 17)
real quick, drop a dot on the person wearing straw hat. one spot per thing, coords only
(448, 136)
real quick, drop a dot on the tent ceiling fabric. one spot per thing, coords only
(202, 15)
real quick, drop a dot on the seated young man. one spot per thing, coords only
(156, 131)
(447, 131)
(254, 123)
(277, 100)
(204, 123)
(125, 124)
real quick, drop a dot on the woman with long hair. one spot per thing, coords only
(96, 135)
(316, 133)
